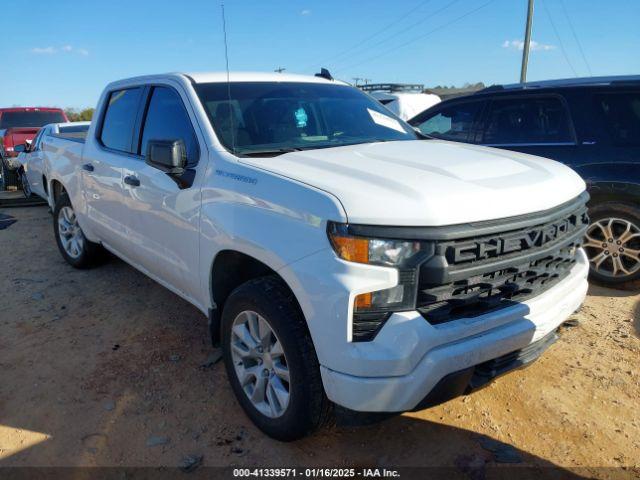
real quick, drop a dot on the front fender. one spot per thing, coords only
(270, 218)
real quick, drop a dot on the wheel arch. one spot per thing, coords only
(57, 189)
(230, 269)
(618, 192)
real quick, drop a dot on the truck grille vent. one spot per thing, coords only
(366, 325)
(497, 289)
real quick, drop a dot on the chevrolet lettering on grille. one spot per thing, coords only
(533, 237)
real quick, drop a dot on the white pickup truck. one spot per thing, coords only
(343, 262)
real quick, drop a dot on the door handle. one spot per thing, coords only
(88, 167)
(131, 180)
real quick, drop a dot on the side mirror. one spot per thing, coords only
(170, 156)
(20, 148)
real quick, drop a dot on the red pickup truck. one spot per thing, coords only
(17, 125)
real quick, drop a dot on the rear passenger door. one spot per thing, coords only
(618, 112)
(534, 124)
(102, 166)
(163, 212)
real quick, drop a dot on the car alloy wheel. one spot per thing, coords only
(70, 234)
(613, 247)
(260, 364)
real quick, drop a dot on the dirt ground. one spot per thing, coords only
(107, 368)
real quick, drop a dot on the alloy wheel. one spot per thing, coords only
(260, 364)
(613, 247)
(70, 233)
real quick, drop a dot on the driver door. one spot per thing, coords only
(163, 214)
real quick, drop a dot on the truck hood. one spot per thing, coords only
(429, 182)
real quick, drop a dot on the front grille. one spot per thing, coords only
(498, 289)
(471, 277)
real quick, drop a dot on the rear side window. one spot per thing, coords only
(452, 123)
(120, 119)
(622, 116)
(167, 119)
(513, 121)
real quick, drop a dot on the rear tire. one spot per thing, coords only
(264, 334)
(74, 247)
(612, 243)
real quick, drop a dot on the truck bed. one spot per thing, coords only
(73, 136)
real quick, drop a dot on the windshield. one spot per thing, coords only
(268, 118)
(30, 119)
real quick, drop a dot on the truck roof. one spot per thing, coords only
(221, 77)
(566, 83)
(28, 109)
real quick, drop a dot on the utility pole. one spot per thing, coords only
(357, 80)
(527, 43)
(280, 69)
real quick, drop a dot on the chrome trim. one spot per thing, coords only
(542, 144)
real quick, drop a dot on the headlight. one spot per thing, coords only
(374, 251)
(372, 309)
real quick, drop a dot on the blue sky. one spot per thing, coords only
(63, 53)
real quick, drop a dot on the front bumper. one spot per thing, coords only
(453, 348)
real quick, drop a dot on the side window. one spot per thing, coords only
(167, 119)
(527, 121)
(120, 119)
(36, 141)
(454, 122)
(622, 116)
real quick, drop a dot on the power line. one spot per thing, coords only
(420, 37)
(406, 29)
(375, 34)
(575, 36)
(564, 52)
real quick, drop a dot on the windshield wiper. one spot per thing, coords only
(423, 136)
(270, 152)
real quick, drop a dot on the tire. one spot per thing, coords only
(24, 182)
(618, 261)
(307, 407)
(9, 175)
(84, 254)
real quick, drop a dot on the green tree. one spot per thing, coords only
(83, 115)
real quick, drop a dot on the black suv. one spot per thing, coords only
(589, 124)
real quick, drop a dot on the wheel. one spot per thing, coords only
(612, 243)
(271, 362)
(74, 247)
(26, 187)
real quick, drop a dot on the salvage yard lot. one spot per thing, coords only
(105, 367)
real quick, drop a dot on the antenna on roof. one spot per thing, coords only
(324, 73)
(226, 58)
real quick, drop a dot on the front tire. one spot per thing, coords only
(74, 247)
(271, 362)
(24, 181)
(612, 243)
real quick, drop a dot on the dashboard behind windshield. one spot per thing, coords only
(271, 118)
